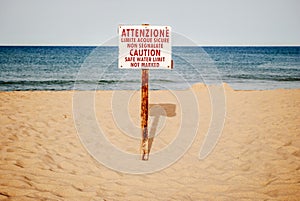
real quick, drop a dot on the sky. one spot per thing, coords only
(205, 22)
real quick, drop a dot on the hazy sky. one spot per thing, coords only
(207, 22)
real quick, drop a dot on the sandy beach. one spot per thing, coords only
(257, 156)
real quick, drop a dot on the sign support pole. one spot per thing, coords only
(144, 115)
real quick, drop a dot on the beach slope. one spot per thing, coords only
(257, 156)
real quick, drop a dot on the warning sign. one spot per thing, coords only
(145, 47)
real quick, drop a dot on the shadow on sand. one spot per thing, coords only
(156, 111)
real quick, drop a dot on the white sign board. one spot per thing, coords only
(145, 47)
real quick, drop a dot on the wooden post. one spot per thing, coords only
(144, 115)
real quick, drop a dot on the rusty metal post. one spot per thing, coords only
(144, 115)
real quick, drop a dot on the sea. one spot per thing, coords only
(58, 68)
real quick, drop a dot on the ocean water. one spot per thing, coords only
(95, 68)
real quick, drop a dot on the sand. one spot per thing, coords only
(257, 156)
